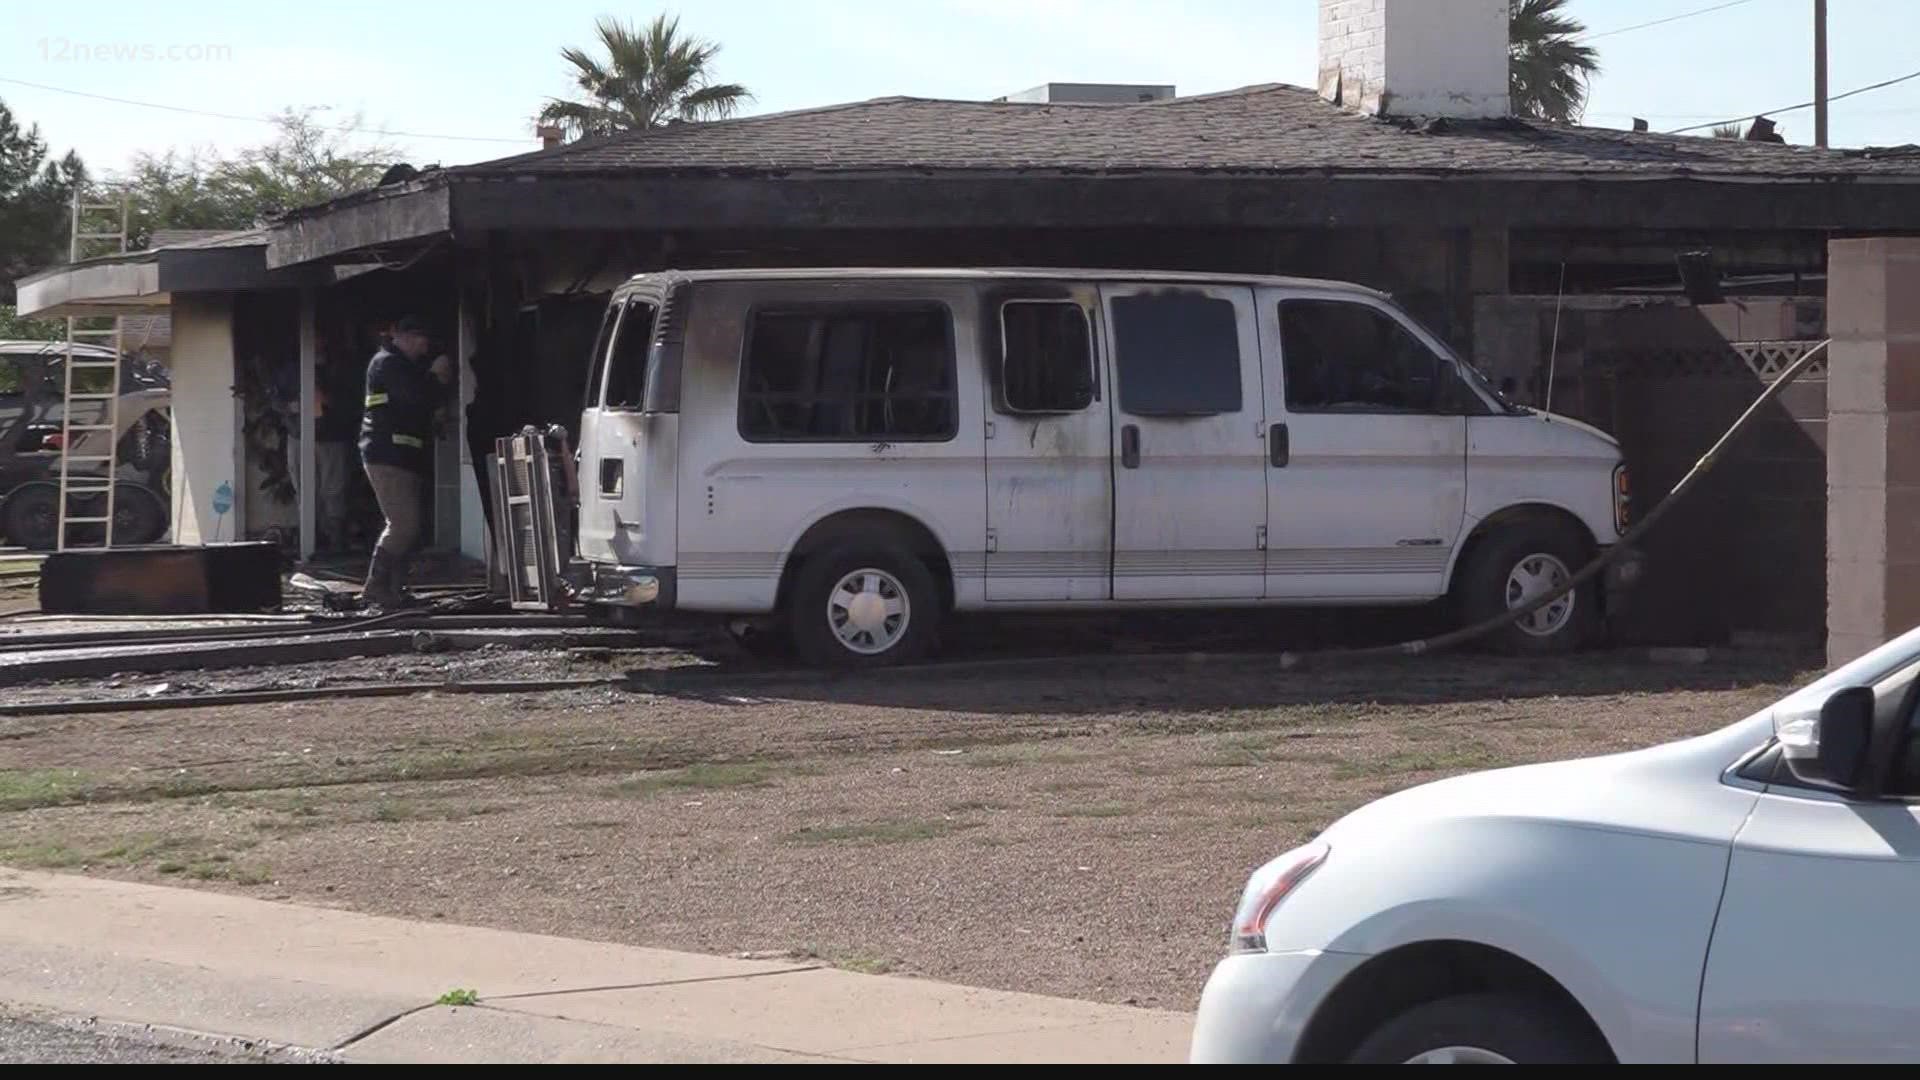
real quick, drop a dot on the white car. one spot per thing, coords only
(1748, 895)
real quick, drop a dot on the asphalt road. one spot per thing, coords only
(25, 1041)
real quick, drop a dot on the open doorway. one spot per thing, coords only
(351, 321)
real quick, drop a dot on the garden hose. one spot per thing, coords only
(1487, 626)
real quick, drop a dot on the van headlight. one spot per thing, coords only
(1268, 886)
(1622, 499)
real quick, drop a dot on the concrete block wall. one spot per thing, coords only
(1873, 444)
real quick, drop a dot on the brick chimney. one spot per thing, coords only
(549, 136)
(1415, 57)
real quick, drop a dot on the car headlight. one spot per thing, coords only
(1268, 886)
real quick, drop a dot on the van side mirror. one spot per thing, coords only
(1832, 746)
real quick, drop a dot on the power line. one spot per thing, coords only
(1668, 19)
(1797, 108)
(347, 128)
(1905, 110)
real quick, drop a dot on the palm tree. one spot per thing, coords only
(651, 76)
(1547, 68)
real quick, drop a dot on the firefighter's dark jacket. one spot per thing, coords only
(397, 426)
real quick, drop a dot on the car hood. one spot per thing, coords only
(1674, 789)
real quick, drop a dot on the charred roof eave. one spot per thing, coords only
(354, 226)
(1052, 200)
(138, 281)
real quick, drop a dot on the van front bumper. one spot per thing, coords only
(625, 586)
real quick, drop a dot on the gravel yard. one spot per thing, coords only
(1078, 829)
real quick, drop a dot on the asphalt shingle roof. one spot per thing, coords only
(1273, 129)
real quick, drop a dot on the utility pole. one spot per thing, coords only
(1820, 72)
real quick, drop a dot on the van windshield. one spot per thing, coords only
(1468, 371)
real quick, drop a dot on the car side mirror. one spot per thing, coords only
(1832, 747)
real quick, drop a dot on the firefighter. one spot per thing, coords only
(396, 449)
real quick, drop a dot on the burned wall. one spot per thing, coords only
(1745, 550)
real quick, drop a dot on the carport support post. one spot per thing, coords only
(304, 486)
(1873, 443)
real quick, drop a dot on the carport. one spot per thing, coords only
(241, 333)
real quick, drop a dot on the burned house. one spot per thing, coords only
(1643, 282)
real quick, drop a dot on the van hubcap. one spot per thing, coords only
(1458, 1055)
(1534, 577)
(869, 611)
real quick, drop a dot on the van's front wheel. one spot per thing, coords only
(1520, 564)
(860, 606)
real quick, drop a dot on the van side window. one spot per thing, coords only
(627, 367)
(1047, 364)
(849, 373)
(1177, 352)
(1341, 356)
(597, 364)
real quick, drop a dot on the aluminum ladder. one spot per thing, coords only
(90, 235)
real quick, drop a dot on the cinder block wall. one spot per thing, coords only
(1873, 444)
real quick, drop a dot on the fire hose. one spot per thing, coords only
(1701, 467)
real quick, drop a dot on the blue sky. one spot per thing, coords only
(479, 71)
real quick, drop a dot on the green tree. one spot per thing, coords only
(35, 197)
(176, 190)
(306, 162)
(1548, 70)
(13, 327)
(650, 76)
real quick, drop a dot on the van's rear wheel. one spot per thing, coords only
(1517, 565)
(857, 605)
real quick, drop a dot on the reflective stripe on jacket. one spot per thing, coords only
(397, 426)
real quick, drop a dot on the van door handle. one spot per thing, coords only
(1130, 447)
(1278, 450)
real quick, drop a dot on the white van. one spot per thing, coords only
(844, 456)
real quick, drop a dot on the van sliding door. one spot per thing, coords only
(1049, 446)
(1190, 489)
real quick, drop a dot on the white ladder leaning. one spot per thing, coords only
(89, 239)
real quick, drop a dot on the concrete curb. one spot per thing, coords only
(174, 1038)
